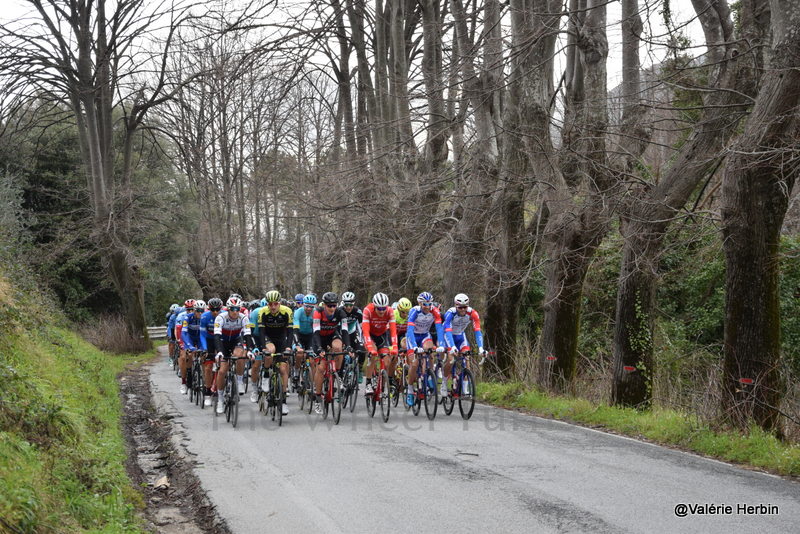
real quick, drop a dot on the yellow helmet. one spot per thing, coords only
(403, 304)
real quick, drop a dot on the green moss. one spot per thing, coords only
(669, 427)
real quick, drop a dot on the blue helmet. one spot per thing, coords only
(299, 297)
(263, 302)
(424, 297)
(310, 299)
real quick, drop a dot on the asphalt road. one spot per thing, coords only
(499, 472)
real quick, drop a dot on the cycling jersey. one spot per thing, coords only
(228, 330)
(190, 331)
(206, 329)
(276, 328)
(402, 324)
(351, 321)
(254, 322)
(377, 325)
(455, 324)
(179, 325)
(328, 327)
(171, 323)
(420, 322)
(303, 322)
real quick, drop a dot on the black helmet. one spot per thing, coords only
(330, 298)
(215, 304)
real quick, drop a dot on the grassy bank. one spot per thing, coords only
(668, 427)
(62, 452)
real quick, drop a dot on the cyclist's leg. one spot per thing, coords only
(338, 346)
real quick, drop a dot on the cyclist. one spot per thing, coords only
(328, 335)
(456, 320)
(275, 322)
(254, 319)
(303, 328)
(188, 310)
(206, 338)
(298, 301)
(170, 339)
(171, 328)
(352, 317)
(231, 327)
(401, 319)
(418, 337)
(190, 335)
(380, 336)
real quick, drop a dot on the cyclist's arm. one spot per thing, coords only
(448, 329)
(476, 325)
(218, 332)
(316, 339)
(393, 333)
(439, 328)
(411, 339)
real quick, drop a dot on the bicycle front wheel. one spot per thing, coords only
(278, 399)
(235, 406)
(431, 395)
(336, 407)
(384, 397)
(466, 397)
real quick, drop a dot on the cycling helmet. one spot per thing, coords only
(461, 300)
(173, 308)
(403, 304)
(200, 305)
(380, 300)
(262, 302)
(233, 301)
(253, 304)
(424, 297)
(215, 304)
(273, 296)
(189, 304)
(299, 298)
(310, 299)
(330, 298)
(349, 297)
(283, 302)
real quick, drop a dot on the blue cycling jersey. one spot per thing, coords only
(254, 321)
(190, 332)
(206, 330)
(304, 322)
(171, 323)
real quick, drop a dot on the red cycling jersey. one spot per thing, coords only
(375, 324)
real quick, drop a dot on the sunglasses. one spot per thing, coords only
(461, 307)
(234, 308)
(215, 310)
(427, 304)
(330, 305)
(380, 308)
(348, 304)
(308, 306)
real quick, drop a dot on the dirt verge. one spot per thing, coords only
(175, 500)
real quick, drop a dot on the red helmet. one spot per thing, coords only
(189, 304)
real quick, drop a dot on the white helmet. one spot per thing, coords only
(461, 300)
(173, 307)
(380, 300)
(233, 301)
(200, 305)
(348, 296)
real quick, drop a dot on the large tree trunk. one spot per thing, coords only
(646, 219)
(755, 192)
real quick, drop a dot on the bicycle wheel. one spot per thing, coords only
(385, 400)
(228, 399)
(431, 395)
(449, 402)
(336, 407)
(466, 394)
(235, 406)
(370, 399)
(197, 383)
(278, 398)
(325, 403)
(404, 389)
(354, 391)
(305, 383)
(190, 383)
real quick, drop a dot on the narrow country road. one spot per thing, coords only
(500, 472)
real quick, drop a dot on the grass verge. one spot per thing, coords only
(62, 452)
(668, 427)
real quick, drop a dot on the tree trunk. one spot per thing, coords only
(755, 192)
